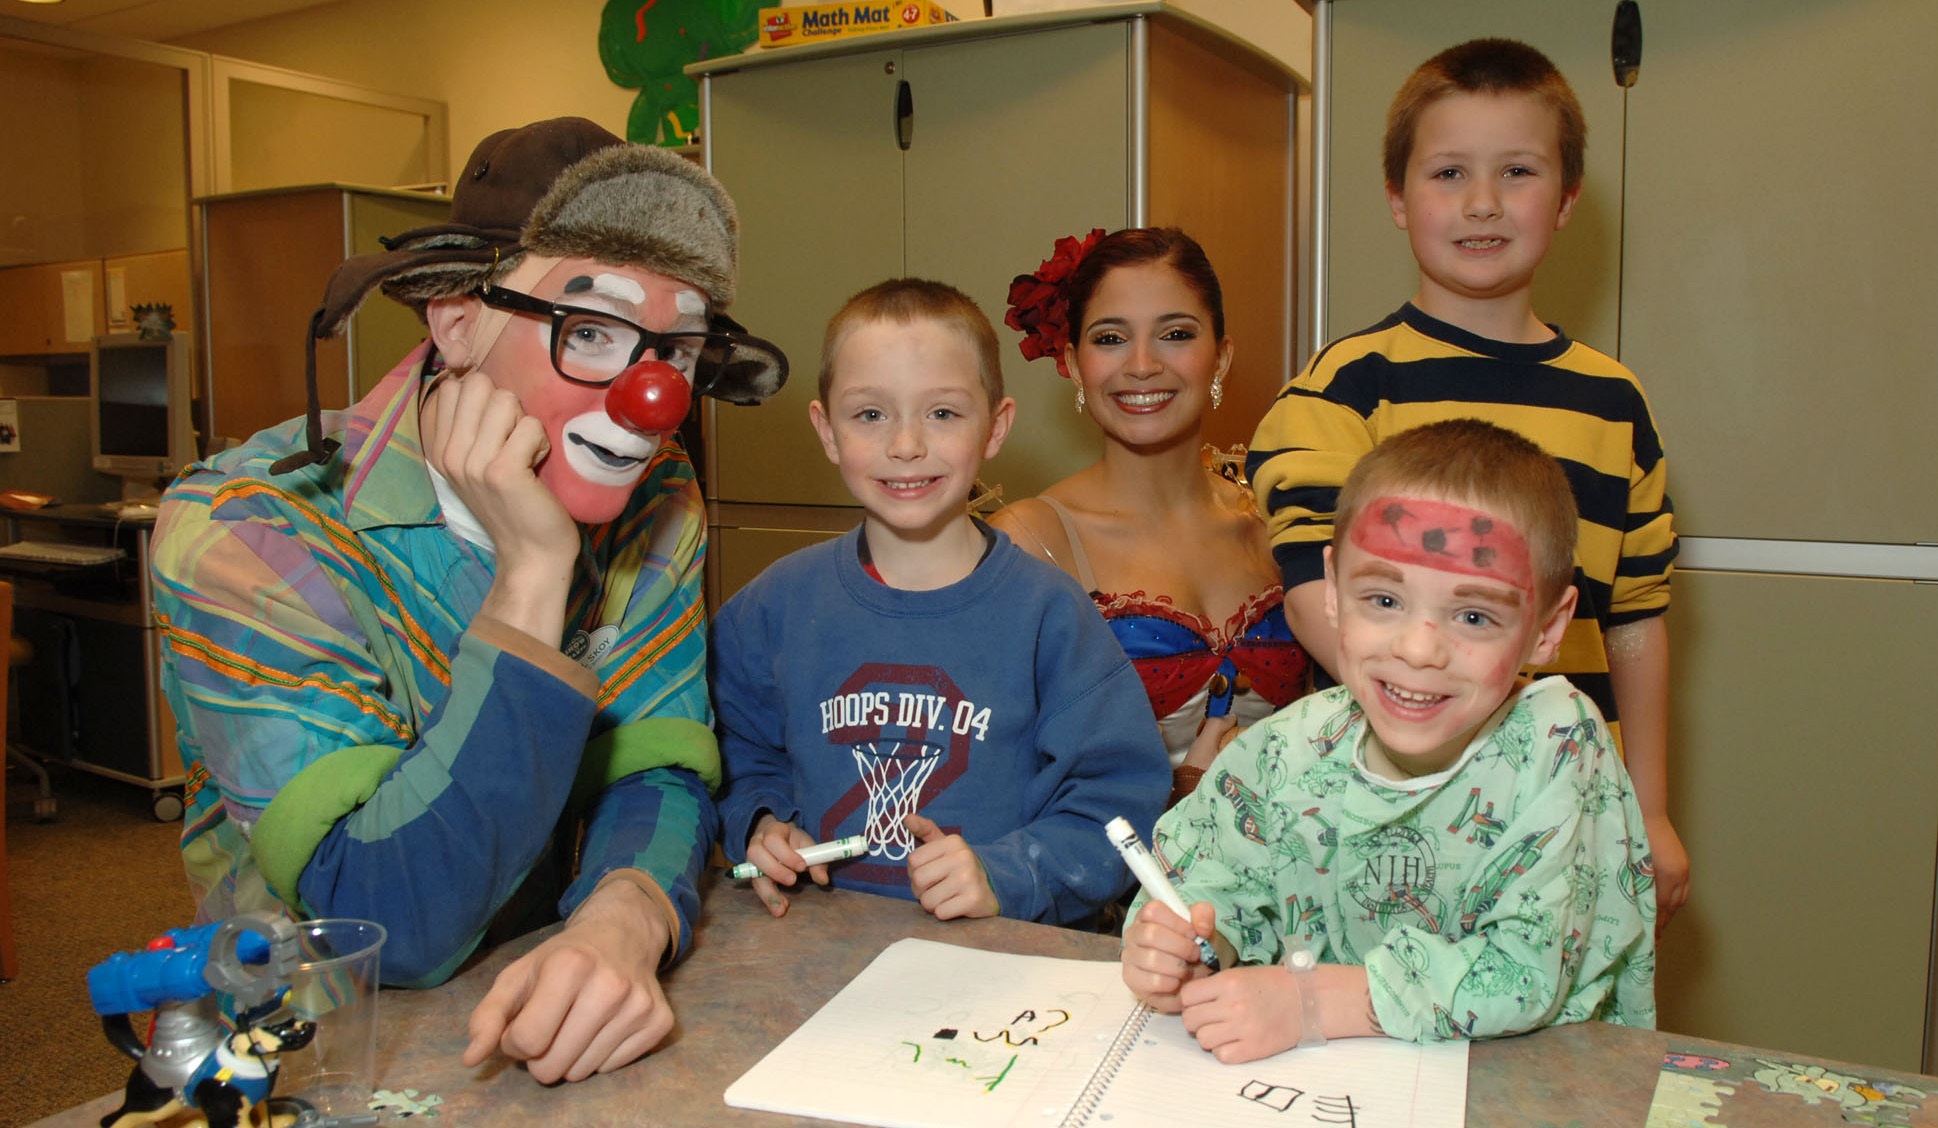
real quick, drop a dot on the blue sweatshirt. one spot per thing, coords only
(1000, 706)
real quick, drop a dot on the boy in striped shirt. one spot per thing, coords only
(1483, 160)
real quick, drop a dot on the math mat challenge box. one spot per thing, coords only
(787, 27)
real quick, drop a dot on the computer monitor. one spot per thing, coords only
(139, 409)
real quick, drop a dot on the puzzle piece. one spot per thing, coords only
(404, 1103)
(1687, 1101)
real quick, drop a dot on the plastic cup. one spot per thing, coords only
(335, 986)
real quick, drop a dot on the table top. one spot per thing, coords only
(751, 980)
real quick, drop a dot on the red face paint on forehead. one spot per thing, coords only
(1446, 537)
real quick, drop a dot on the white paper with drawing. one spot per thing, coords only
(936, 1036)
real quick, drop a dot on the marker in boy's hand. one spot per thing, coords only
(1241, 1013)
(1249, 1013)
(775, 848)
(820, 853)
(1161, 952)
(947, 877)
(1155, 878)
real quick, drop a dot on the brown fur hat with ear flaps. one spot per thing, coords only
(635, 205)
(565, 188)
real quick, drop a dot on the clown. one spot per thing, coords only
(421, 648)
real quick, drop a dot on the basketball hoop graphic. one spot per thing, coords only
(893, 772)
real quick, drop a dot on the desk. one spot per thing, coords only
(751, 980)
(90, 698)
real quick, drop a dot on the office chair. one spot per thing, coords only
(19, 653)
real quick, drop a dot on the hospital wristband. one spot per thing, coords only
(1299, 965)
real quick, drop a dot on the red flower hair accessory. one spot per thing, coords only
(1037, 305)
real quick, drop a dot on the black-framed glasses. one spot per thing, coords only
(593, 347)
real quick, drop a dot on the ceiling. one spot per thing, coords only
(155, 20)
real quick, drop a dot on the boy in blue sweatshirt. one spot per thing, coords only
(920, 680)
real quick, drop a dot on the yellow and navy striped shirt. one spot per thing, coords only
(1578, 404)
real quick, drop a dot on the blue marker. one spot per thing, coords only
(853, 846)
(1143, 864)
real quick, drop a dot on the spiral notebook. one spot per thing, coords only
(938, 1036)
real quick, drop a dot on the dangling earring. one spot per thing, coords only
(1217, 390)
(1079, 399)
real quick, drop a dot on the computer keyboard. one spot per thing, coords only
(51, 552)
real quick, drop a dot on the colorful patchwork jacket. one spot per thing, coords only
(361, 742)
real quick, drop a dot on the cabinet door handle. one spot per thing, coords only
(904, 115)
(1625, 44)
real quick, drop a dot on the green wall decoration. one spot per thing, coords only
(645, 43)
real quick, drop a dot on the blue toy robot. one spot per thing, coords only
(219, 1072)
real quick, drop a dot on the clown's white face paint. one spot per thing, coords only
(604, 453)
(594, 463)
(618, 289)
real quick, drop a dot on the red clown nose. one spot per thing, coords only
(650, 398)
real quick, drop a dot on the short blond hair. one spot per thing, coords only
(906, 301)
(1468, 460)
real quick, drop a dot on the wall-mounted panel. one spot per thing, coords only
(1225, 177)
(983, 205)
(103, 154)
(280, 136)
(808, 152)
(1807, 796)
(260, 304)
(1782, 306)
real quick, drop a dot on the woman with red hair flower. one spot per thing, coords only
(1173, 555)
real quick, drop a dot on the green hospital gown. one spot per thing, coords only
(1510, 892)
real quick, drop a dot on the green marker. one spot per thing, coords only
(853, 846)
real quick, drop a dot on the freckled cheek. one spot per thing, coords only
(1493, 667)
(1506, 669)
(1358, 636)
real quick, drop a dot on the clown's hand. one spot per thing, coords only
(588, 999)
(484, 444)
